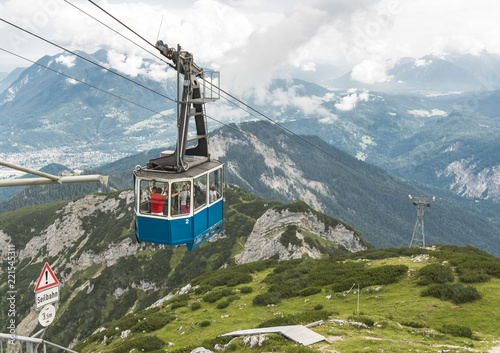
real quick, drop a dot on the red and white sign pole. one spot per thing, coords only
(46, 293)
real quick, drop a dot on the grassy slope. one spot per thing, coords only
(388, 307)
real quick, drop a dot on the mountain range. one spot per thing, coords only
(339, 184)
(444, 141)
(437, 143)
(365, 196)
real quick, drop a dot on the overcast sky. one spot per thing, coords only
(249, 39)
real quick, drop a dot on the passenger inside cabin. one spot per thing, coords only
(157, 200)
(173, 200)
(183, 195)
(213, 194)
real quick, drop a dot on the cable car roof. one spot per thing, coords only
(193, 172)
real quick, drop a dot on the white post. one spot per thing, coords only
(358, 299)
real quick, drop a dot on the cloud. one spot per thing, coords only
(133, 66)
(461, 44)
(308, 105)
(227, 114)
(68, 61)
(370, 72)
(422, 62)
(350, 101)
(128, 65)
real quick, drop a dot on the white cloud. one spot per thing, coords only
(350, 101)
(225, 113)
(129, 65)
(311, 106)
(422, 62)
(427, 113)
(66, 60)
(329, 119)
(249, 39)
(134, 66)
(370, 72)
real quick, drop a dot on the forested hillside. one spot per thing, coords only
(90, 244)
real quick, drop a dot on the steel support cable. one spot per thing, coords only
(301, 139)
(261, 114)
(123, 24)
(315, 151)
(112, 29)
(92, 62)
(130, 40)
(223, 91)
(255, 110)
(85, 83)
(88, 60)
(270, 145)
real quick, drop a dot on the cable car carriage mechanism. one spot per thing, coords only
(179, 196)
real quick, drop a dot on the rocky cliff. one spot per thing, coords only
(266, 240)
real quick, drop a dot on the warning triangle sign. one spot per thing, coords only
(47, 279)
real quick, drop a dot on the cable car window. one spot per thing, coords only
(153, 197)
(200, 191)
(215, 180)
(181, 198)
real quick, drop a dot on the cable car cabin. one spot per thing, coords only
(178, 196)
(179, 208)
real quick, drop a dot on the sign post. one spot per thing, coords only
(47, 315)
(46, 293)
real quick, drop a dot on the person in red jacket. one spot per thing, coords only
(157, 200)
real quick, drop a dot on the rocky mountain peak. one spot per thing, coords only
(267, 239)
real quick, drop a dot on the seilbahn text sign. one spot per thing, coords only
(47, 296)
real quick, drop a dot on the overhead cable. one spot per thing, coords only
(87, 84)
(86, 59)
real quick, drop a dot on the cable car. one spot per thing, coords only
(179, 196)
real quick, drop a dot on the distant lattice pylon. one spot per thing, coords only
(418, 236)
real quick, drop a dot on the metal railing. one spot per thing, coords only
(11, 343)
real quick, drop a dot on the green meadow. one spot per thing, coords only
(395, 317)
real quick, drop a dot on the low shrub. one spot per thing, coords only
(435, 273)
(180, 298)
(232, 298)
(457, 330)
(153, 322)
(141, 344)
(219, 340)
(195, 306)
(289, 236)
(223, 304)
(266, 299)
(246, 290)
(176, 305)
(203, 289)
(309, 291)
(363, 319)
(205, 323)
(318, 307)
(490, 267)
(413, 324)
(456, 293)
(212, 297)
(296, 319)
(473, 276)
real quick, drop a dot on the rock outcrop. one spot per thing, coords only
(264, 241)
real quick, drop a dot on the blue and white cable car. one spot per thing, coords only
(179, 196)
